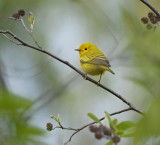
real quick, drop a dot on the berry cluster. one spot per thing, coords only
(102, 131)
(18, 14)
(151, 21)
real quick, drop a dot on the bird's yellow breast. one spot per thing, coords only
(93, 69)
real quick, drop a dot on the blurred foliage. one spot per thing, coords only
(145, 48)
(15, 128)
(148, 127)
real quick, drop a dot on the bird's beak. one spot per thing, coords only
(77, 50)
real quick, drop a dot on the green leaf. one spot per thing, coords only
(125, 128)
(31, 130)
(31, 20)
(53, 117)
(58, 119)
(119, 132)
(114, 121)
(124, 125)
(92, 116)
(129, 132)
(19, 129)
(109, 143)
(110, 121)
(148, 126)
(12, 104)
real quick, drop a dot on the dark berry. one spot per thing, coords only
(149, 26)
(158, 18)
(151, 14)
(107, 131)
(116, 139)
(21, 12)
(153, 20)
(144, 20)
(93, 128)
(98, 135)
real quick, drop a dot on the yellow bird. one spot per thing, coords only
(92, 60)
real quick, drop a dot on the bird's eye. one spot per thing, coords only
(85, 48)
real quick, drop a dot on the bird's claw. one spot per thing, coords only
(85, 76)
(98, 83)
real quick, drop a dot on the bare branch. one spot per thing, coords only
(151, 7)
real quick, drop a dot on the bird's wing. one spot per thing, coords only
(97, 60)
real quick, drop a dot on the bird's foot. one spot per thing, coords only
(85, 76)
(98, 83)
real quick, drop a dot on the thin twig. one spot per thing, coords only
(11, 39)
(30, 32)
(151, 7)
(13, 18)
(72, 67)
(65, 128)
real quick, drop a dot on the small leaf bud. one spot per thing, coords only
(49, 126)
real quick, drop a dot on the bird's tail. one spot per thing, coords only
(111, 71)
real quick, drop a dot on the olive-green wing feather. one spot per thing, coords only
(97, 60)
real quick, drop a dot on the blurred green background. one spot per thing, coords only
(34, 86)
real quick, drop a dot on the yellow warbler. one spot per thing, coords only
(92, 60)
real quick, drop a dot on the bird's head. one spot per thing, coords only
(86, 48)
